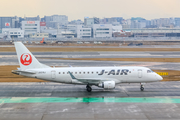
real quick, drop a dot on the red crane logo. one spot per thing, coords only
(26, 59)
(7, 24)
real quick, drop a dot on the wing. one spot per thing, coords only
(92, 80)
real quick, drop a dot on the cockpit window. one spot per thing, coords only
(149, 71)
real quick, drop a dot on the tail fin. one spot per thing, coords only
(26, 58)
(42, 41)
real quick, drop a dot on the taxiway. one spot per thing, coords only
(45, 101)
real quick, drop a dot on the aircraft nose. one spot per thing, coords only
(159, 78)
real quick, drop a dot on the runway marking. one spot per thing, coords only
(92, 100)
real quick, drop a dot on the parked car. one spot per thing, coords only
(131, 44)
(97, 42)
(79, 42)
(139, 44)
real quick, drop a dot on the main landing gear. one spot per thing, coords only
(88, 87)
(142, 87)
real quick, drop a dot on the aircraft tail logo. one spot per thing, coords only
(26, 59)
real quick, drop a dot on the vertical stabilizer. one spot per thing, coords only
(26, 58)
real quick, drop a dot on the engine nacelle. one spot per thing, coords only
(107, 85)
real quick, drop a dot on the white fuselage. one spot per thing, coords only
(104, 77)
(117, 74)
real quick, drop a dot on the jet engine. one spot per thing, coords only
(107, 85)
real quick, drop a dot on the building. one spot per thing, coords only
(65, 34)
(55, 20)
(126, 24)
(30, 27)
(39, 35)
(42, 26)
(138, 22)
(108, 20)
(122, 34)
(84, 31)
(102, 30)
(32, 18)
(15, 22)
(118, 19)
(155, 32)
(13, 32)
(2, 36)
(177, 22)
(117, 28)
(52, 32)
(111, 20)
(72, 28)
(162, 22)
(90, 21)
(148, 24)
(5, 22)
(61, 19)
(76, 22)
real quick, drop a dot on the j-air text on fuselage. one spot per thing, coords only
(104, 77)
(113, 72)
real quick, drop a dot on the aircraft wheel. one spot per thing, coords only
(142, 88)
(89, 89)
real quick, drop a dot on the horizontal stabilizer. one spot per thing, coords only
(19, 71)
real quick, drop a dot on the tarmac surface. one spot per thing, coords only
(49, 89)
(10, 58)
(157, 102)
(37, 101)
(154, 54)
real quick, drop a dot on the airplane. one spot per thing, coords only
(103, 77)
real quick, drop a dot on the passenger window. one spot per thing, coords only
(84, 72)
(75, 72)
(97, 72)
(79, 72)
(92, 72)
(63, 72)
(88, 72)
(59, 72)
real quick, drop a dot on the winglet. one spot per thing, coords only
(72, 76)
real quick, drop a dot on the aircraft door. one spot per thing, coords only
(53, 74)
(140, 73)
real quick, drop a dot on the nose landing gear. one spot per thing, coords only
(88, 87)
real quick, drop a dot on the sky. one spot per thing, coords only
(78, 9)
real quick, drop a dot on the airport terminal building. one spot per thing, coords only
(13, 32)
(31, 27)
(83, 32)
(155, 32)
(102, 31)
